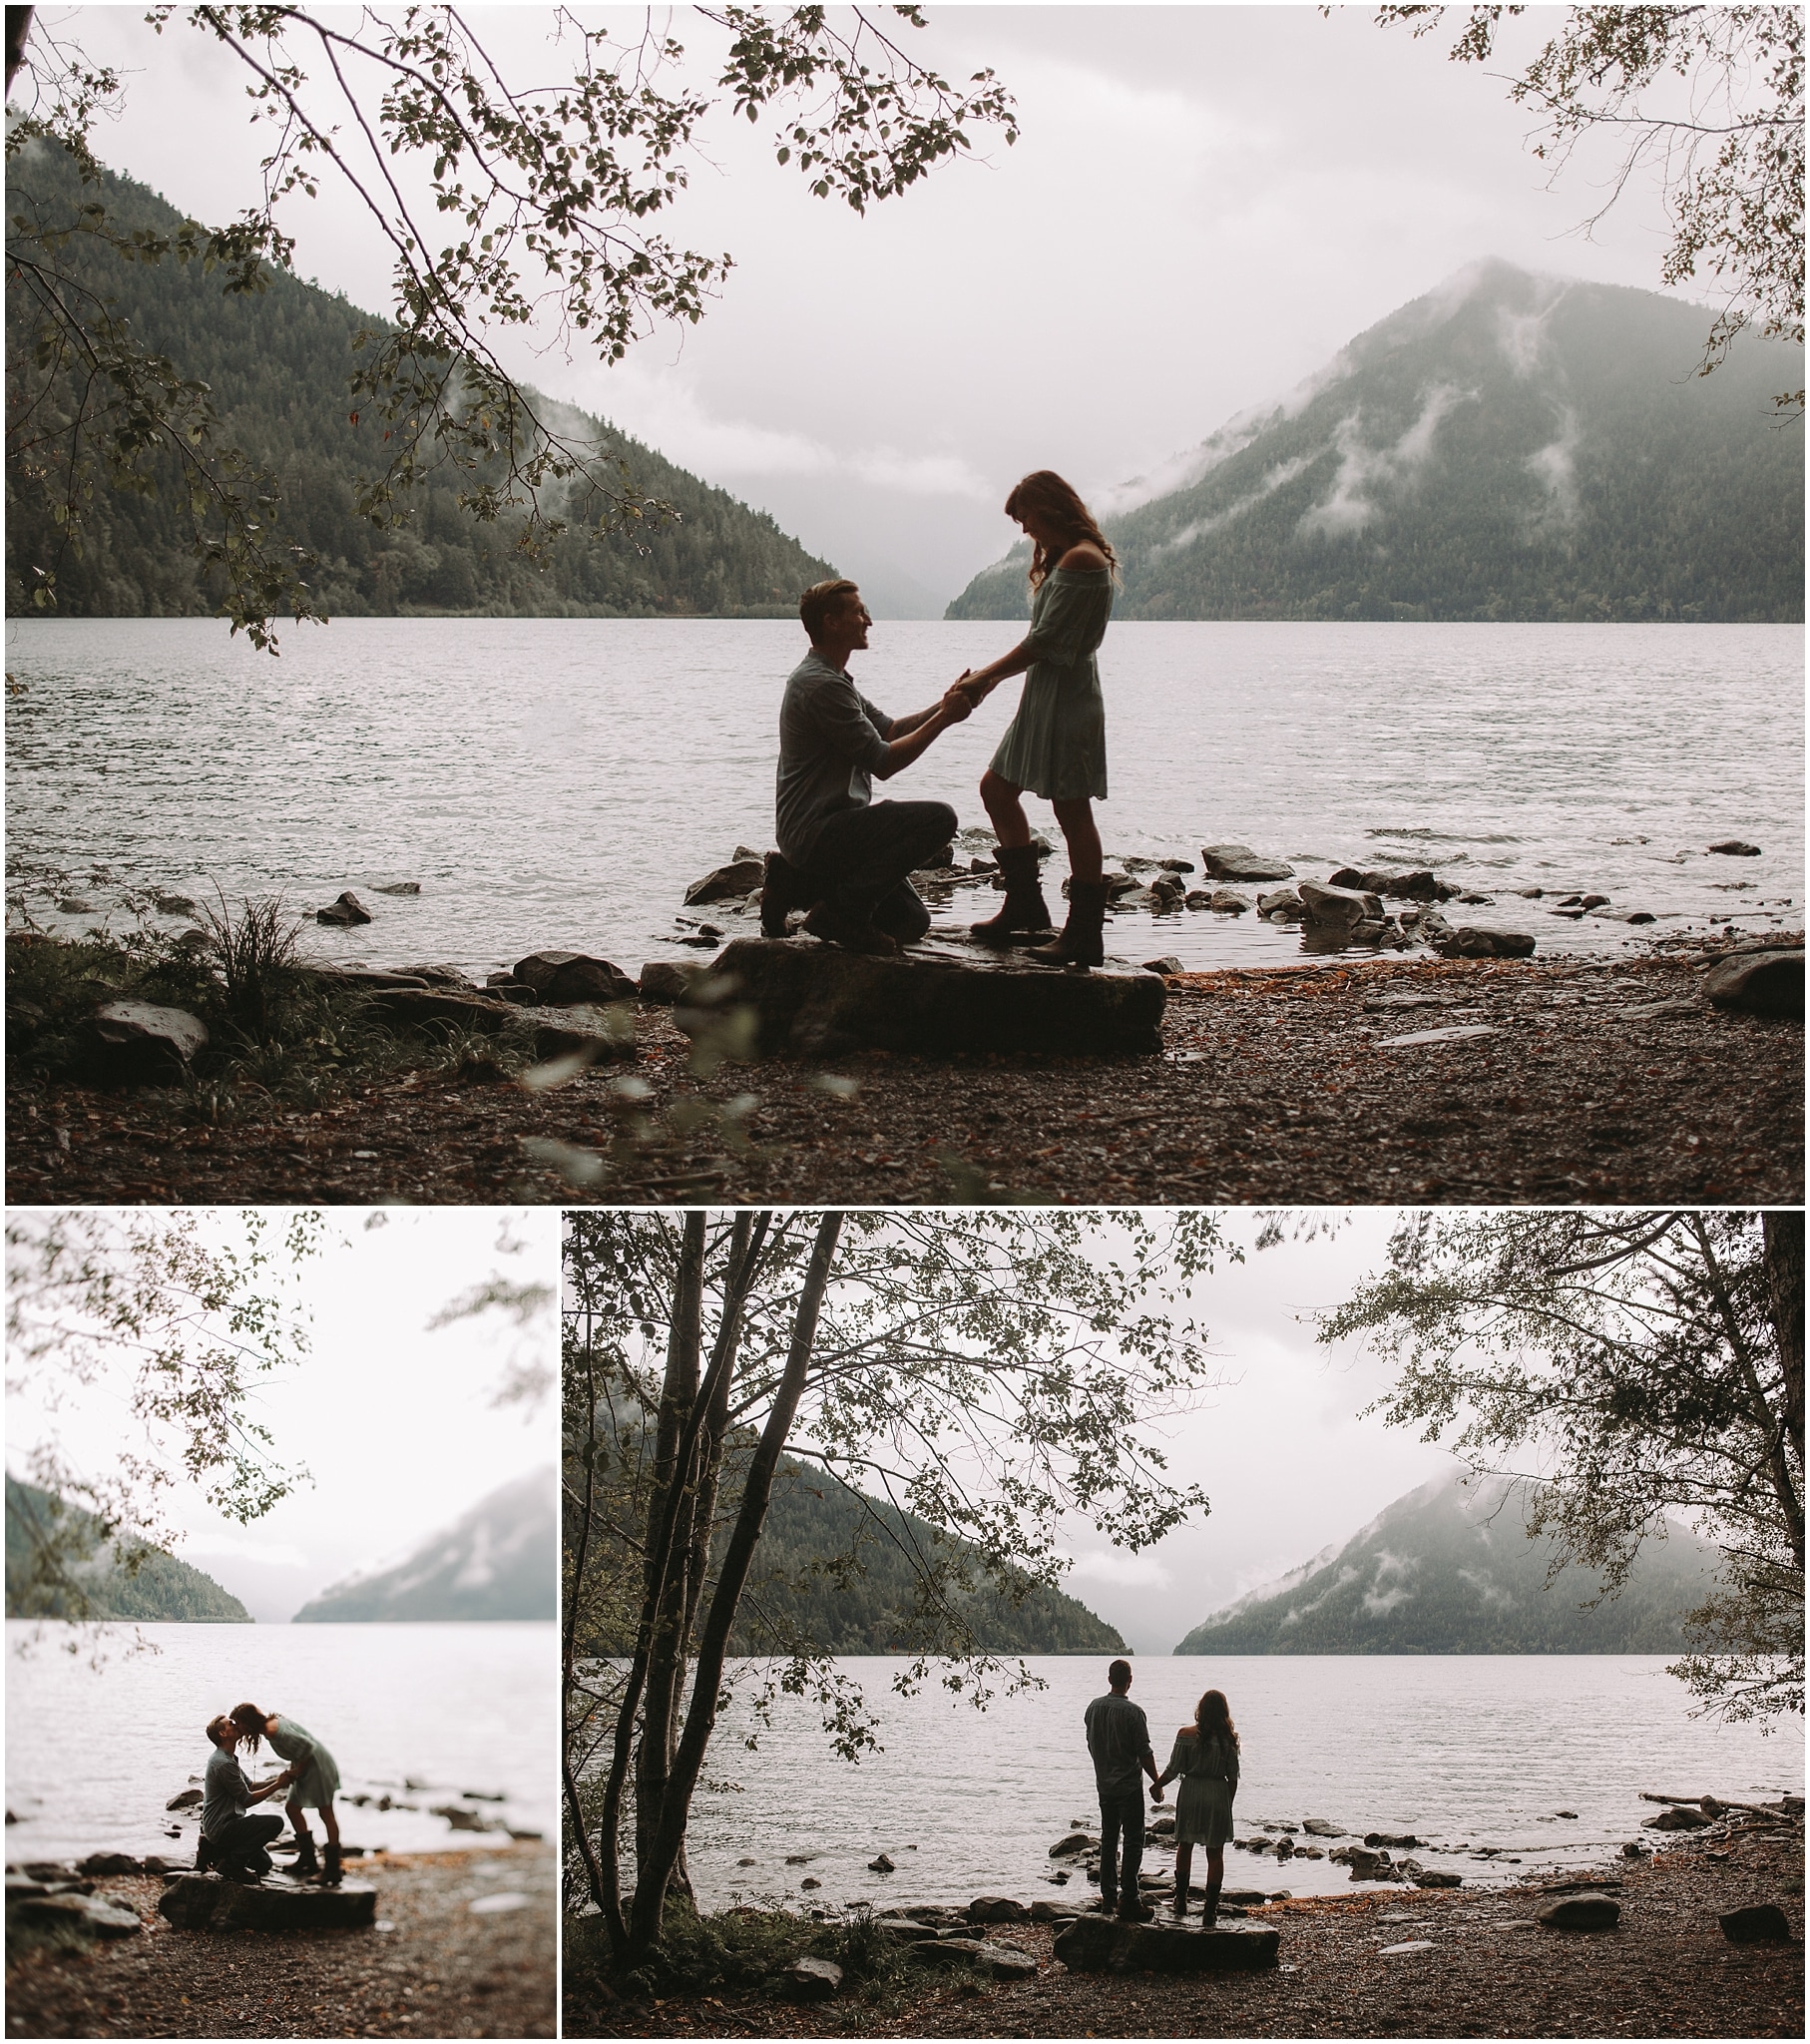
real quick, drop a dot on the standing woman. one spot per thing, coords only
(1056, 745)
(313, 1781)
(1205, 1760)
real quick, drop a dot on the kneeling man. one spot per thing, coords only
(841, 854)
(230, 1840)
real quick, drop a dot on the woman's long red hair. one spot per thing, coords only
(1054, 502)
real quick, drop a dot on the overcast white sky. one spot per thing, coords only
(395, 1423)
(1206, 203)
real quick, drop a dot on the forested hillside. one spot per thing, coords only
(160, 1588)
(804, 1593)
(277, 364)
(1507, 447)
(1450, 1570)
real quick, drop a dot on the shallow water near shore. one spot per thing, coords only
(422, 1713)
(555, 783)
(1464, 1751)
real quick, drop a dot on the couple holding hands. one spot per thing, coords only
(234, 1842)
(848, 859)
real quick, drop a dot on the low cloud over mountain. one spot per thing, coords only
(1450, 1569)
(1509, 446)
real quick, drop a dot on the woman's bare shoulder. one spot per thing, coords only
(1082, 557)
(1188, 1731)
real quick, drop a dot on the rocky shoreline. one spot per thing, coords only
(1684, 1941)
(459, 1945)
(1448, 1080)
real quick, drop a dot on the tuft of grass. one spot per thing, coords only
(254, 954)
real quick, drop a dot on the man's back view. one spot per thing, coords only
(1119, 1739)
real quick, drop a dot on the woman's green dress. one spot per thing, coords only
(1208, 1773)
(318, 1782)
(1055, 744)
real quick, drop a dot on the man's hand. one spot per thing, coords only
(956, 704)
(1156, 1792)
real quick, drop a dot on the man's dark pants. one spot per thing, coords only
(1120, 1816)
(241, 1842)
(862, 859)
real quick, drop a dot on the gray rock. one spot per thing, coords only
(399, 887)
(811, 998)
(1165, 965)
(427, 1008)
(139, 1043)
(1075, 1842)
(996, 1909)
(726, 884)
(1468, 941)
(1338, 907)
(881, 1866)
(346, 913)
(204, 1901)
(996, 1960)
(1759, 983)
(94, 1915)
(1732, 847)
(1239, 862)
(1053, 1912)
(1762, 1923)
(1453, 1034)
(812, 1979)
(1282, 904)
(1679, 1818)
(1432, 1878)
(1101, 1944)
(909, 1931)
(1402, 1841)
(1225, 901)
(109, 1862)
(598, 1031)
(562, 978)
(1588, 1912)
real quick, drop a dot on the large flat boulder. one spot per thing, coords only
(1102, 1944)
(91, 1915)
(140, 1043)
(1769, 982)
(1239, 862)
(945, 994)
(207, 1901)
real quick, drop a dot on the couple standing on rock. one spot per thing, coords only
(1205, 1762)
(848, 859)
(233, 1840)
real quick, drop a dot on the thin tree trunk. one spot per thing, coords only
(654, 1869)
(18, 27)
(594, 1873)
(1784, 1239)
(673, 1502)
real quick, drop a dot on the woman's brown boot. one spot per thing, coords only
(333, 1873)
(306, 1862)
(1212, 1906)
(1025, 908)
(1082, 941)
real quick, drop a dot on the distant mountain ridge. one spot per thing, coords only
(1507, 447)
(160, 1590)
(278, 362)
(1449, 1569)
(496, 1561)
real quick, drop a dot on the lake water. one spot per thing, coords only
(1464, 1751)
(423, 1714)
(559, 783)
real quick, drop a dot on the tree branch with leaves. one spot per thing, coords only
(1707, 102)
(1626, 1367)
(988, 1374)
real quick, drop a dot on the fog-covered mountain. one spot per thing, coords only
(1449, 1569)
(41, 1528)
(1509, 446)
(495, 1562)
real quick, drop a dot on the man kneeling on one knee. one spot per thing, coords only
(230, 1840)
(841, 854)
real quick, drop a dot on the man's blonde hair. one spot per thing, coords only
(815, 604)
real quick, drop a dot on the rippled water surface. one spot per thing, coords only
(559, 783)
(1464, 1751)
(92, 1757)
